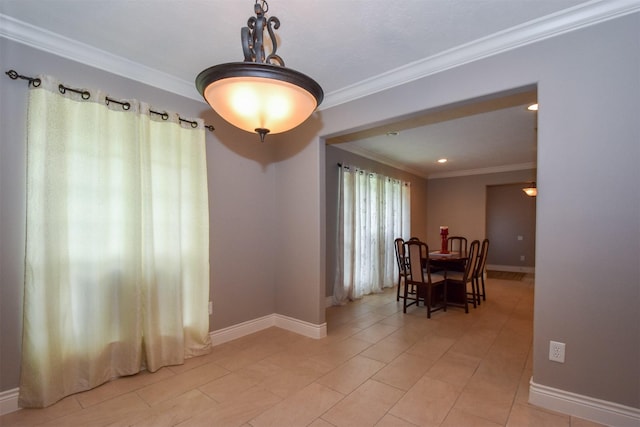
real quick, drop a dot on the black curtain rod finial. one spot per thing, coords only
(35, 81)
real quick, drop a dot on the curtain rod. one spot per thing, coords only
(35, 82)
(405, 183)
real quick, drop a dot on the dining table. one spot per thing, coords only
(443, 263)
(450, 260)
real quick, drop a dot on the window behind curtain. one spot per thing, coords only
(373, 210)
(117, 250)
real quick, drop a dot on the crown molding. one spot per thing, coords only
(483, 171)
(564, 21)
(552, 25)
(48, 41)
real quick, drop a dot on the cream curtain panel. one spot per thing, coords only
(117, 249)
(373, 210)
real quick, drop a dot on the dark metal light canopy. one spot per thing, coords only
(260, 94)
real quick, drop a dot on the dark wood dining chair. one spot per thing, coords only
(401, 260)
(422, 280)
(459, 280)
(457, 244)
(478, 275)
(417, 239)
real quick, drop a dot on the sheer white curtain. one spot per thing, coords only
(373, 210)
(117, 249)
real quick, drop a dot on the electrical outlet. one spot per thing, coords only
(521, 257)
(210, 307)
(556, 351)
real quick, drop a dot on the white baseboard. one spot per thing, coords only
(9, 401)
(589, 408)
(511, 268)
(241, 329)
(307, 329)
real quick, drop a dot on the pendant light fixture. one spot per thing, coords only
(260, 94)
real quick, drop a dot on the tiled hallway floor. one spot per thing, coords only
(376, 367)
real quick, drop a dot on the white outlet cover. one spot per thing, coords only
(556, 351)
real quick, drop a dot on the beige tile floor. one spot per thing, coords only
(376, 367)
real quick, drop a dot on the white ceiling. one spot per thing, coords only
(351, 47)
(494, 141)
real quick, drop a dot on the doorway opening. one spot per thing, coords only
(475, 159)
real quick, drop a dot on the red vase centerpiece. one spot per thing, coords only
(444, 232)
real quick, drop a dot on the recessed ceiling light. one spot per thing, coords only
(393, 133)
(442, 160)
(533, 107)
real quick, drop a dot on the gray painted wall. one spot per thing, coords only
(589, 130)
(461, 203)
(511, 227)
(588, 152)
